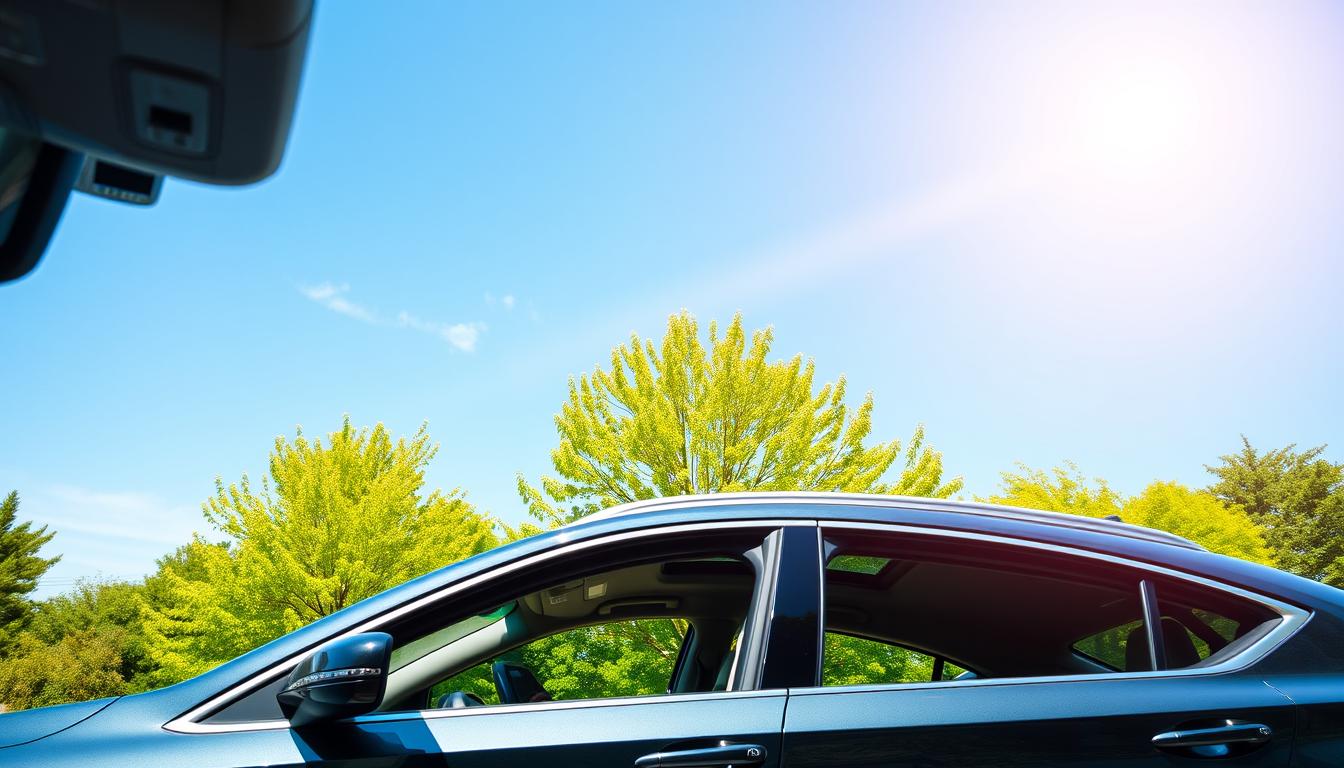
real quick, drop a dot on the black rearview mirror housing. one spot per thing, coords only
(343, 678)
(35, 182)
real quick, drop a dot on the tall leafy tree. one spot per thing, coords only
(1195, 515)
(335, 523)
(20, 568)
(684, 417)
(1298, 496)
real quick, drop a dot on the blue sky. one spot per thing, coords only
(1047, 231)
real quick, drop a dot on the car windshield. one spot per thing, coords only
(502, 269)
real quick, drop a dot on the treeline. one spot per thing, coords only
(338, 519)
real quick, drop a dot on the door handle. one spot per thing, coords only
(709, 757)
(1232, 733)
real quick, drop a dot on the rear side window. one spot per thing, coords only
(906, 608)
(850, 660)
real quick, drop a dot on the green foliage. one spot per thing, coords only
(624, 658)
(850, 660)
(1061, 489)
(82, 665)
(1195, 515)
(686, 418)
(1200, 517)
(20, 568)
(627, 658)
(78, 646)
(336, 523)
(1299, 499)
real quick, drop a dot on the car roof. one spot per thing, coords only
(787, 503)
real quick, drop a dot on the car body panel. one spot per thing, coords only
(1037, 723)
(23, 727)
(142, 729)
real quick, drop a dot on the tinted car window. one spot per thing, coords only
(1006, 611)
(851, 660)
(624, 658)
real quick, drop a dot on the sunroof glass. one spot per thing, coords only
(858, 564)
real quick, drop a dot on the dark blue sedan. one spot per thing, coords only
(1023, 639)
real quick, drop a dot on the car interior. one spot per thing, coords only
(711, 595)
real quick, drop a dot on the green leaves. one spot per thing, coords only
(20, 568)
(334, 524)
(1298, 497)
(1196, 515)
(686, 418)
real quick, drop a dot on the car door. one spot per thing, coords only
(1041, 704)
(739, 726)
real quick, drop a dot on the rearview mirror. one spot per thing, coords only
(343, 678)
(35, 182)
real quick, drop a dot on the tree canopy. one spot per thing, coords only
(1168, 506)
(334, 524)
(1299, 499)
(85, 644)
(684, 417)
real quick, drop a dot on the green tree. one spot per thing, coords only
(20, 568)
(1171, 507)
(83, 665)
(85, 644)
(1298, 497)
(335, 523)
(1200, 517)
(686, 418)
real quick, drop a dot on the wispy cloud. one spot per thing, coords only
(462, 336)
(102, 534)
(507, 300)
(333, 297)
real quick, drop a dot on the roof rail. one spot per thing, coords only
(1111, 524)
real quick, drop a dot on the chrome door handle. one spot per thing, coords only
(709, 757)
(1232, 733)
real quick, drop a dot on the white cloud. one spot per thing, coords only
(461, 335)
(331, 296)
(507, 301)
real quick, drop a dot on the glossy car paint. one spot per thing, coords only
(1295, 689)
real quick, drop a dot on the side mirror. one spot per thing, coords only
(343, 678)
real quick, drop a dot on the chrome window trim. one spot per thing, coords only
(189, 722)
(1293, 618)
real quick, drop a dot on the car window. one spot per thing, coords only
(614, 633)
(851, 660)
(897, 604)
(623, 658)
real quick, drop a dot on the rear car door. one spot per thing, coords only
(954, 649)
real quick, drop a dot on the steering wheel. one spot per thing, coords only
(459, 700)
